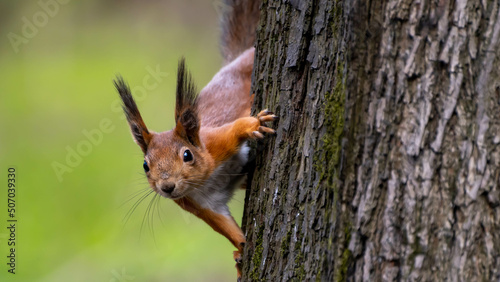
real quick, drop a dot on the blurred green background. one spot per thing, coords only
(55, 84)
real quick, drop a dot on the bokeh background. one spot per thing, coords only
(55, 84)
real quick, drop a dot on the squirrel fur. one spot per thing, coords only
(199, 163)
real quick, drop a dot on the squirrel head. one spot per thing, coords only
(175, 161)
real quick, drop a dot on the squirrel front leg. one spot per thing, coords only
(227, 226)
(224, 224)
(223, 142)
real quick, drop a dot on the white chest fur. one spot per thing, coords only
(219, 188)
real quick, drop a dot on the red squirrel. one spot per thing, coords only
(199, 163)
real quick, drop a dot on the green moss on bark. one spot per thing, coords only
(257, 255)
(329, 158)
(346, 256)
(285, 243)
(300, 272)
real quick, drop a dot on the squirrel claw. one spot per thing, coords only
(238, 260)
(258, 129)
(258, 135)
(265, 112)
(264, 129)
(268, 118)
(237, 255)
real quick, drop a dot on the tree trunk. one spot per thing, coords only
(386, 163)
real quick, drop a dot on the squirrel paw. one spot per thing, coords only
(237, 256)
(263, 117)
(237, 259)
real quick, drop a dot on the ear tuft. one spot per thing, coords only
(188, 126)
(186, 108)
(139, 130)
(186, 95)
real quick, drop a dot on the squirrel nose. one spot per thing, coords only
(168, 187)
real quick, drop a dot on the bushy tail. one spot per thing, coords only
(239, 22)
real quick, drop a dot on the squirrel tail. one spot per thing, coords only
(239, 23)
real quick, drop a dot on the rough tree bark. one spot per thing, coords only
(386, 163)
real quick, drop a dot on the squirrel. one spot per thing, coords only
(199, 163)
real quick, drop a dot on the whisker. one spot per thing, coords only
(142, 178)
(209, 198)
(158, 211)
(134, 207)
(152, 216)
(134, 195)
(146, 220)
(218, 173)
(197, 187)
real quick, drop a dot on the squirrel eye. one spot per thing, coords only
(187, 156)
(145, 166)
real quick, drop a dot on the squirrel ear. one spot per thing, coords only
(188, 127)
(186, 107)
(141, 136)
(139, 130)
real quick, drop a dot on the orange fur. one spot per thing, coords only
(210, 129)
(223, 142)
(209, 146)
(225, 225)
